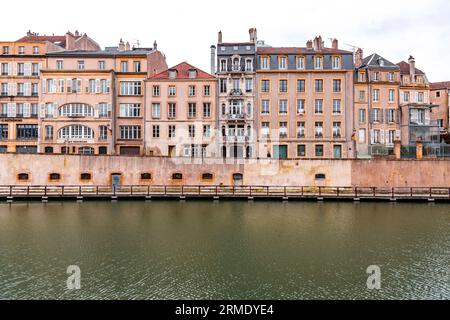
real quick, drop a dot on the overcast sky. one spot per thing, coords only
(185, 29)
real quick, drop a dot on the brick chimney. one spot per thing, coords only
(318, 43)
(70, 41)
(253, 35)
(213, 59)
(121, 45)
(219, 37)
(309, 44)
(358, 58)
(335, 44)
(412, 67)
(155, 45)
(127, 46)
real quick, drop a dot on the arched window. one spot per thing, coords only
(249, 109)
(224, 109)
(85, 150)
(54, 176)
(76, 110)
(177, 176)
(236, 66)
(23, 176)
(146, 176)
(76, 132)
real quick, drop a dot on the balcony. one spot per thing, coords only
(235, 139)
(235, 116)
(236, 92)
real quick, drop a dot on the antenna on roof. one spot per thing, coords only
(136, 43)
(354, 48)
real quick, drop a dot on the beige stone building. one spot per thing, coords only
(377, 114)
(440, 95)
(181, 113)
(305, 101)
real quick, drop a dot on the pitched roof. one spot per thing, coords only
(404, 68)
(440, 85)
(183, 72)
(299, 50)
(377, 61)
(59, 40)
(109, 52)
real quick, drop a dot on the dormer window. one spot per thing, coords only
(35, 50)
(81, 65)
(390, 76)
(172, 74)
(236, 48)
(381, 62)
(223, 65)
(336, 63)
(236, 64)
(318, 63)
(362, 77)
(21, 50)
(376, 76)
(282, 63)
(248, 65)
(192, 73)
(265, 63)
(300, 63)
(248, 48)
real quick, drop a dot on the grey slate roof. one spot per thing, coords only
(108, 52)
(377, 61)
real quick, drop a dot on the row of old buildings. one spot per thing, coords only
(67, 95)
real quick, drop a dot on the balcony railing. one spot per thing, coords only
(236, 92)
(235, 116)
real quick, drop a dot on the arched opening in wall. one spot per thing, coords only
(248, 152)
(177, 176)
(146, 176)
(207, 177)
(76, 110)
(54, 177)
(320, 176)
(238, 179)
(23, 177)
(48, 150)
(85, 177)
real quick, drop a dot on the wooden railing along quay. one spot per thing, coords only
(45, 193)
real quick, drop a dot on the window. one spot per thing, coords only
(191, 91)
(155, 131)
(336, 63)
(318, 62)
(156, 110)
(236, 64)
(283, 129)
(26, 131)
(336, 85)
(223, 85)
(207, 176)
(146, 176)
(23, 176)
(283, 86)
(101, 65)
(130, 88)
(137, 66)
(207, 91)
(6, 69)
(206, 131)
(406, 96)
(376, 136)
(300, 63)
(264, 63)
(171, 131)
(265, 129)
(130, 132)
(337, 106)
(20, 69)
(156, 91)
(248, 65)
(76, 132)
(362, 116)
(72, 110)
(391, 115)
(301, 85)
(283, 106)
(362, 95)
(336, 129)
(21, 50)
(319, 85)
(248, 85)
(391, 95)
(300, 129)
(361, 77)
(265, 107)
(362, 136)
(391, 137)
(320, 176)
(5, 50)
(301, 106)
(103, 133)
(48, 150)
(191, 130)
(59, 64)
(81, 65)
(301, 150)
(206, 110)
(420, 96)
(177, 176)
(438, 94)
(54, 176)
(124, 66)
(34, 89)
(48, 132)
(390, 76)
(85, 176)
(3, 132)
(282, 63)
(223, 65)
(318, 129)
(265, 86)
(376, 95)
(319, 150)
(104, 110)
(376, 76)
(130, 110)
(318, 106)
(192, 110)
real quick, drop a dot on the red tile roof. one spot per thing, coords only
(299, 50)
(61, 39)
(440, 85)
(183, 72)
(404, 68)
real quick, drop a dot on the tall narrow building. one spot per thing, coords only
(236, 96)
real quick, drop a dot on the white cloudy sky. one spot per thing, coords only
(185, 29)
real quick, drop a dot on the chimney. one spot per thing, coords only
(155, 45)
(121, 45)
(309, 44)
(335, 44)
(316, 45)
(213, 59)
(219, 37)
(412, 67)
(127, 46)
(29, 33)
(77, 34)
(358, 57)
(70, 41)
(253, 35)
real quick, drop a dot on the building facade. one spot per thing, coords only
(305, 101)
(181, 113)
(377, 114)
(236, 75)
(440, 95)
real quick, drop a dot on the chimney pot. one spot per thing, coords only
(219, 37)
(358, 57)
(155, 45)
(335, 44)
